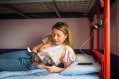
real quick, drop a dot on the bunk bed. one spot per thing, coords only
(75, 71)
(100, 58)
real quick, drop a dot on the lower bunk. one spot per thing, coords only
(42, 74)
(75, 71)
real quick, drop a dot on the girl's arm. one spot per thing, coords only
(44, 41)
(37, 65)
(57, 69)
(37, 47)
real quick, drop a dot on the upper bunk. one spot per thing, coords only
(36, 9)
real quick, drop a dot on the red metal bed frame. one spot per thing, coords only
(103, 59)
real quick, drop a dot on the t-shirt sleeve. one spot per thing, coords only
(69, 55)
(45, 40)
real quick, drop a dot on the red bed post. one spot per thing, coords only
(91, 31)
(98, 30)
(107, 39)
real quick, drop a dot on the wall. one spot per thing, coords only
(114, 28)
(20, 33)
(114, 40)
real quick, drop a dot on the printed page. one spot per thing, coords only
(42, 57)
(46, 59)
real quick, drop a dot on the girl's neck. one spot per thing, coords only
(55, 44)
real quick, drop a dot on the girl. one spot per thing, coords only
(58, 45)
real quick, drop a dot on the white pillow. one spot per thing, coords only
(84, 58)
(75, 69)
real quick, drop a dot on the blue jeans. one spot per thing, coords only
(16, 61)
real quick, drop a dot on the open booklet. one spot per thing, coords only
(41, 58)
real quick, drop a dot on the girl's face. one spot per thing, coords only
(58, 36)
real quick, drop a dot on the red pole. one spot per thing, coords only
(98, 39)
(98, 31)
(91, 32)
(107, 38)
(91, 41)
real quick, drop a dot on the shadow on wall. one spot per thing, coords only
(114, 66)
(35, 40)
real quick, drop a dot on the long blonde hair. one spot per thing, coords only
(65, 29)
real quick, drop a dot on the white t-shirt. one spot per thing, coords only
(60, 53)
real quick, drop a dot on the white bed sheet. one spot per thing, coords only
(41, 74)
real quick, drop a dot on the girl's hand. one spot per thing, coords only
(37, 65)
(53, 69)
(34, 62)
(57, 69)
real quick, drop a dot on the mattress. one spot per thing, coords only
(42, 74)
